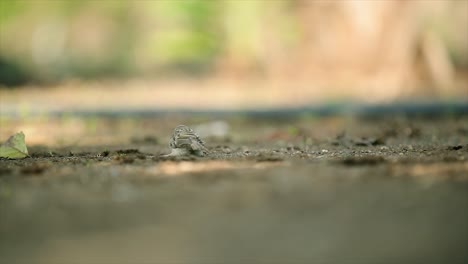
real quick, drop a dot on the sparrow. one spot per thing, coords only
(185, 141)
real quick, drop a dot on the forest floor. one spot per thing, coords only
(301, 189)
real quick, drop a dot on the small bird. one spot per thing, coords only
(185, 141)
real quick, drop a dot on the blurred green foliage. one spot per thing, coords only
(46, 40)
(123, 37)
(10, 9)
(190, 36)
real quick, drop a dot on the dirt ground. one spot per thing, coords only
(303, 189)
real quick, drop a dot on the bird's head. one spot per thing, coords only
(181, 129)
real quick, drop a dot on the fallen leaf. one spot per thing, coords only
(14, 147)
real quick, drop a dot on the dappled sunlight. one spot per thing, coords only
(184, 167)
(434, 172)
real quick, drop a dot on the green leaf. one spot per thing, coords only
(14, 147)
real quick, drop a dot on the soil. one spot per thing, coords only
(302, 189)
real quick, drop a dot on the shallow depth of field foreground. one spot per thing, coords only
(301, 190)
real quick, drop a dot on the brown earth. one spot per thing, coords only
(292, 190)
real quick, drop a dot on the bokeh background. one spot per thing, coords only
(229, 54)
